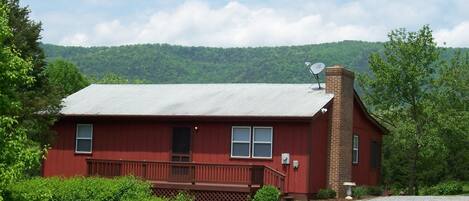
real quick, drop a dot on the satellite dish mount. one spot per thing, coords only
(315, 69)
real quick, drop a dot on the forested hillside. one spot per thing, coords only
(162, 63)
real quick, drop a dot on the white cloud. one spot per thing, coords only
(196, 23)
(458, 36)
(234, 24)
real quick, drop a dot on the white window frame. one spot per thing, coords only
(254, 142)
(244, 142)
(355, 136)
(83, 138)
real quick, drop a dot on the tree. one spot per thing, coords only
(18, 152)
(111, 78)
(452, 115)
(37, 97)
(400, 89)
(25, 38)
(65, 77)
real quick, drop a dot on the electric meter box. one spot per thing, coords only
(285, 158)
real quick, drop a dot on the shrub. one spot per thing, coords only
(325, 194)
(374, 190)
(267, 193)
(80, 188)
(359, 191)
(445, 188)
(396, 189)
(183, 196)
(449, 188)
(427, 191)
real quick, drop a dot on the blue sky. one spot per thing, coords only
(244, 23)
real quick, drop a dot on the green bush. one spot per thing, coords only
(80, 188)
(465, 188)
(374, 190)
(267, 193)
(427, 191)
(445, 188)
(325, 194)
(359, 191)
(183, 196)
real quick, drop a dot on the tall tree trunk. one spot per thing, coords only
(413, 172)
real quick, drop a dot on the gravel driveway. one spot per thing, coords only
(421, 198)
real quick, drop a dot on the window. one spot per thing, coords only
(355, 149)
(375, 154)
(262, 142)
(84, 138)
(251, 142)
(240, 142)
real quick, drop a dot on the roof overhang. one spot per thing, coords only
(198, 118)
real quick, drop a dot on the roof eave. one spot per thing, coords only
(198, 117)
(368, 115)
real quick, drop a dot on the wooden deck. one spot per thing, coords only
(192, 176)
(205, 186)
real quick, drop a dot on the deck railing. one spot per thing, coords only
(188, 172)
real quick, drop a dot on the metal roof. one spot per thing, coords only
(245, 100)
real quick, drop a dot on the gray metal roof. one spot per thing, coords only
(263, 100)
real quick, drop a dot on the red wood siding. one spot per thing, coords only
(212, 144)
(137, 139)
(319, 144)
(362, 173)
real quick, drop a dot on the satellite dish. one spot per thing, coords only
(317, 68)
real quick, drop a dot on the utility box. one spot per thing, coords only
(296, 164)
(285, 158)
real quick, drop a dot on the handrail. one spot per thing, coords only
(154, 161)
(274, 170)
(274, 178)
(188, 172)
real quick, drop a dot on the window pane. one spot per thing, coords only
(84, 145)
(355, 156)
(240, 149)
(355, 141)
(241, 134)
(84, 131)
(262, 150)
(374, 154)
(263, 134)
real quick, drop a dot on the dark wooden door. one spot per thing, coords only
(181, 149)
(181, 152)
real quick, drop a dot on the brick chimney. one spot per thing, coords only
(339, 81)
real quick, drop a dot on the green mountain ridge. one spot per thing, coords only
(163, 63)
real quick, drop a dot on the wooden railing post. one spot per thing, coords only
(121, 167)
(257, 175)
(88, 163)
(144, 169)
(192, 169)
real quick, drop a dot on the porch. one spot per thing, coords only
(167, 176)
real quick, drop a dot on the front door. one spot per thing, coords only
(181, 152)
(181, 144)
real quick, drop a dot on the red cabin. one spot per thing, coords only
(221, 141)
